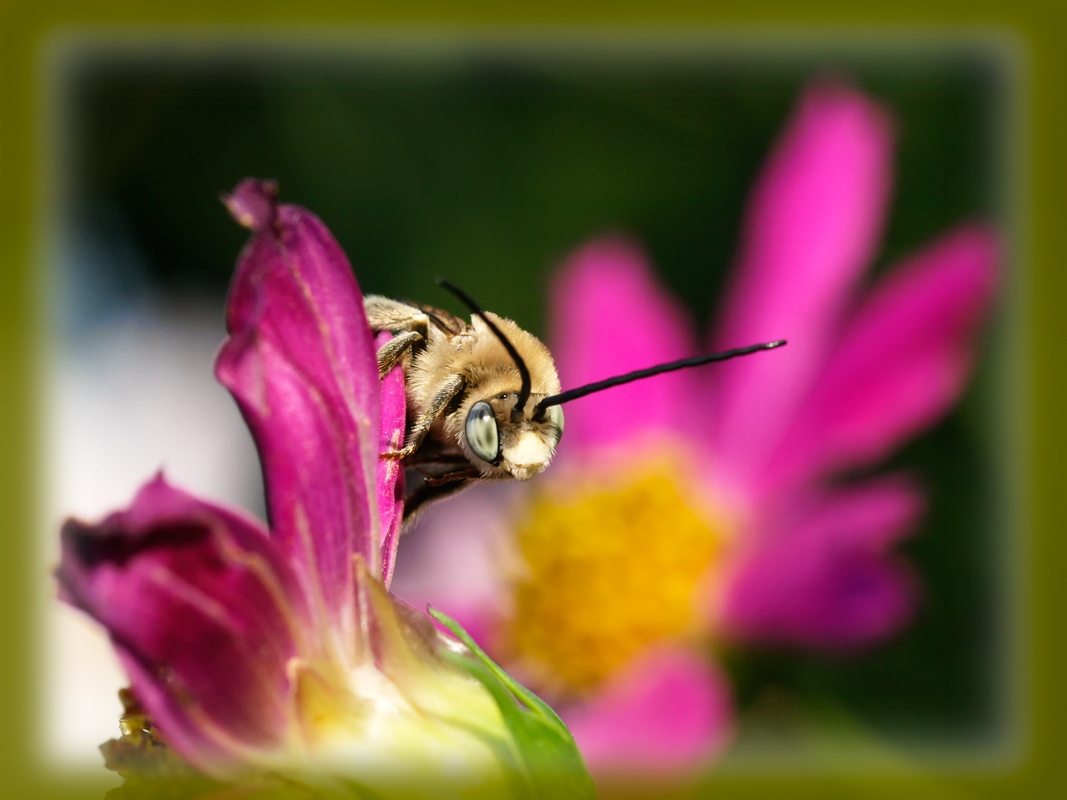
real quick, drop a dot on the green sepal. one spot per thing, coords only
(551, 766)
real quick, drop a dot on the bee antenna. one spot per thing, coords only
(648, 372)
(526, 385)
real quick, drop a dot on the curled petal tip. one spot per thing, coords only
(253, 203)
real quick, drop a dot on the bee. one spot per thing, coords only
(483, 397)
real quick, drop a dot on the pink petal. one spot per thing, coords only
(825, 578)
(813, 222)
(253, 203)
(301, 363)
(608, 316)
(203, 613)
(390, 474)
(665, 712)
(902, 361)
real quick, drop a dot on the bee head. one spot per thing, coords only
(505, 444)
(505, 433)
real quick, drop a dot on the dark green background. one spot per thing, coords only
(489, 166)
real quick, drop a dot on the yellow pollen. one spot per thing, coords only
(611, 568)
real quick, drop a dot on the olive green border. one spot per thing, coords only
(26, 27)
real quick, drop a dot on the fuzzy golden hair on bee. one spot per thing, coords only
(482, 359)
(483, 397)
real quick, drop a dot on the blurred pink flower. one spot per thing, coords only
(699, 508)
(256, 652)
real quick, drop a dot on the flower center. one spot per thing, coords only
(613, 565)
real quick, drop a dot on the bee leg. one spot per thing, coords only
(393, 350)
(452, 477)
(451, 387)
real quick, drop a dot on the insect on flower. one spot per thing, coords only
(484, 398)
(271, 660)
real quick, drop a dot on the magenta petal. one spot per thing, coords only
(903, 360)
(254, 203)
(204, 615)
(390, 475)
(826, 579)
(812, 225)
(664, 712)
(301, 363)
(608, 316)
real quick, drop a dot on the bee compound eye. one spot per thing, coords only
(482, 433)
(555, 416)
